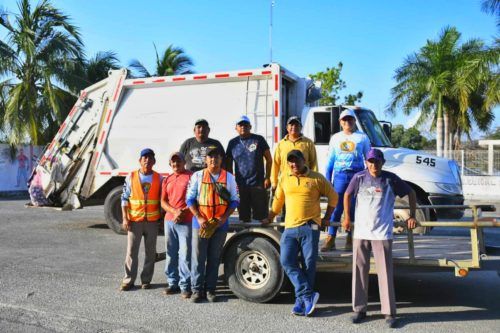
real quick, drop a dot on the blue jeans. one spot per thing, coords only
(178, 248)
(205, 260)
(303, 240)
(340, 182)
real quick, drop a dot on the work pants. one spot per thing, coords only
(137, 230)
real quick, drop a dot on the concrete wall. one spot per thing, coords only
(481, 188)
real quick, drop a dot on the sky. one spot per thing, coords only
(371, 38)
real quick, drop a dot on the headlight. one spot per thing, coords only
(450, 188)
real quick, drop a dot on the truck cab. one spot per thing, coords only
(436, 180)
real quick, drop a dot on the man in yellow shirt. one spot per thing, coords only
(293, 140)
(301, 188)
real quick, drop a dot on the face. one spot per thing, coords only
(243, 128)
(294, 128)
(201, 131)
(177, 164)
(296, 165)
(214, 161)
(375, 166)
(348, 123)
(147, 162)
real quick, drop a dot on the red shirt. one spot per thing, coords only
(174, 192)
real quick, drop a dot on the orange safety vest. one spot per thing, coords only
(144, 207)
(210, 205)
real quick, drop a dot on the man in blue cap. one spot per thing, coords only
(375, 191)
(141, 213)
(248, 151)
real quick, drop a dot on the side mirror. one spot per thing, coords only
(387, 127)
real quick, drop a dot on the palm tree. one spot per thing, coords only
(41, 44)
(173, 61)
(449, 83)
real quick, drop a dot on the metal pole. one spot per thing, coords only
(271, 32)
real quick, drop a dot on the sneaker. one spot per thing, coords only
(211, 296)
(146, 286)
(298, 308)
(329, 244)
(126, 286)
(391, 321)
(170, 290)
(186, 294)
(348, 243)
(358, 317)
(310, 303)
(196, 297)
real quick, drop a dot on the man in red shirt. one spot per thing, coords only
(177, 227)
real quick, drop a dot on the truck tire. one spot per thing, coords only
(113, 210)
(404, 214)
(252, 269)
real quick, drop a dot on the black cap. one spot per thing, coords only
(201, 122)
(295, 154)
(294, 119)
(211, 150)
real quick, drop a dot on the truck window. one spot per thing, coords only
(322, 127)
(372, 128)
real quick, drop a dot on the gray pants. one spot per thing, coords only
(382, 252)
(138, 229)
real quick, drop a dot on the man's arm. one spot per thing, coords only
(192, 200)
(125, 203)
(269, 163)
(275, 168)
(412, 198)
(346, 224)
(313, 158)
(277, 205)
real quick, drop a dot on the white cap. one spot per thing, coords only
(347, 113)
(242, 119)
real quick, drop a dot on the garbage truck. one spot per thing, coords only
(97, 145)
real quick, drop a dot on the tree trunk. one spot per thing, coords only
(439, 128)
(446, 143)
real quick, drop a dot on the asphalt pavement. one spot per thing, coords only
(60, 272)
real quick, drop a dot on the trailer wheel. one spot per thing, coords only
(404, 214)
(113, 210)
(252, 269)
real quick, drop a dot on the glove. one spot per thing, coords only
(208, 232)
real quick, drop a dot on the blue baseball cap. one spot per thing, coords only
(243, 119)
(147, 151)
(375, 154)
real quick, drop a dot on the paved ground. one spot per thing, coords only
(60, 272)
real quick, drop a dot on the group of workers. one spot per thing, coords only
(202, 192)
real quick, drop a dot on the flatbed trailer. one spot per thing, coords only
(253, 272)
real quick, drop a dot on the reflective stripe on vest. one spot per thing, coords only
(209, 203)
(144, 207)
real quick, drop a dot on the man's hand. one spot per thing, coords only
(267, 183)
(412, 223)
(267, 220)
(325, 223)
(202, 221)
(126, 224)
(346, 224)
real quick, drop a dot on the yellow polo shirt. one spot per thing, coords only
(301, 194)
(304, 144)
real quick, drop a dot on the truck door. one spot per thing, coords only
(322, 134)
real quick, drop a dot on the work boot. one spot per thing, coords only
(329, 244)
(211, 296)
(348, 243)
(391, 321)
(126, 286)
(197, 297)
(358, 317)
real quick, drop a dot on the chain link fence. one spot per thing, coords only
(474, 162)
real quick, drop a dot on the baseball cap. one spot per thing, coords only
(177, 154)
(347, 113)
(147, 151)
(243, 119)
(201, 122)
(375, 154)
(213, 150)
(294, 154)
(294, 119)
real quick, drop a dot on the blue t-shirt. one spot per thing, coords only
(347, 152)
(248, 156)
(375, 198)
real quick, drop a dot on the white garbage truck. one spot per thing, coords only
(98, 143)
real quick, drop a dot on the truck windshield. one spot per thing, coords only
(370, 125)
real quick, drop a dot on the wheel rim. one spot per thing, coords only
(253, 269)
